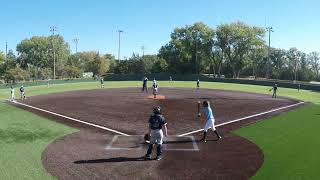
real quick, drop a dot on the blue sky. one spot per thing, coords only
(149, 22)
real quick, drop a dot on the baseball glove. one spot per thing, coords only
(146, 137)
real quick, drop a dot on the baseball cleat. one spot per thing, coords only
(147, 156)
(159, 158)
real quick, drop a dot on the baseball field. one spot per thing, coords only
(79, 131)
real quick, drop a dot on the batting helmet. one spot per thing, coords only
(206, 103)
(157, 110)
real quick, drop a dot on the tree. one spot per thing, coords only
(38, 52)
(34, 52)
(159, 66)
(188, 49)
(314, 61)
(236, 40)
(16, 74)
(294, 57)
(2, 57)
(72, 72)
(98, 66)
(278, 61)
(8, 62)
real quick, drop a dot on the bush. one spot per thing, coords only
(15, 75)
(72, 72)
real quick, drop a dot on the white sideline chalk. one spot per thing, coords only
(72, 119)
(244, 118)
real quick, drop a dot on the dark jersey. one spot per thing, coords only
(155, 86)
(145, 80)
(156, 121)
(21, 89)
(275, 88)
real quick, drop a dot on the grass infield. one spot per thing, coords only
(289, 141)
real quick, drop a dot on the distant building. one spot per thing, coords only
(87, 75)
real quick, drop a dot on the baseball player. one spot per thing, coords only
(156, 123)
(198, 84)
(22, 93)
(210, 121)
(102, 83)
(274, 89)
(12, 93)
(155, 88)
(145, 84)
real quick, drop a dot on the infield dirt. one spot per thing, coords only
(84, 154)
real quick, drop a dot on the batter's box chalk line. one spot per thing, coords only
(138, 143)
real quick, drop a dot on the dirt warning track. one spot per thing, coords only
(93, 153)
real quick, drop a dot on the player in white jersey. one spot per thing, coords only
(12, 93)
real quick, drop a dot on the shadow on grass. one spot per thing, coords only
(110, 160)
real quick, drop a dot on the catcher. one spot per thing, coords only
(156, 122)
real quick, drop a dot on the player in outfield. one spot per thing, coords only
(198, 84)
(102, 83)
(274, 90)
(12, 93)
(210, 121)
(156, 123)
(22, 93)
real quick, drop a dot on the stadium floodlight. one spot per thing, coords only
(6, 51)
(53, 29)
(76, 40)
(119, 31)
(269, 29)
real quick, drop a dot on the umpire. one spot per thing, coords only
(156, 122)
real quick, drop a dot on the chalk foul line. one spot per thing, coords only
(124, 134)
(244, 118)
(72, 119)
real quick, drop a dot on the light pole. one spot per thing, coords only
(269, 29)
(76, 40)
(119, 31)
(143, 48)
(53, 29)
(196, 49)
(6, 50)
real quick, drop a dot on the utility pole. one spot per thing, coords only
(119, 31)
(196, 49)
(76, 40)
(269, 29)
(6, 50)
(53, 29)
(143, 48)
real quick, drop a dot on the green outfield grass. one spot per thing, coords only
(289, 141)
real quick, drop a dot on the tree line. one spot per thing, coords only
(233, 50)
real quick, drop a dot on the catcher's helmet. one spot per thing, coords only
(157, 110)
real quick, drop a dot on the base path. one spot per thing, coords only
(95, 153)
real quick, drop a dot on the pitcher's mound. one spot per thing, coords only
(158, 97)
